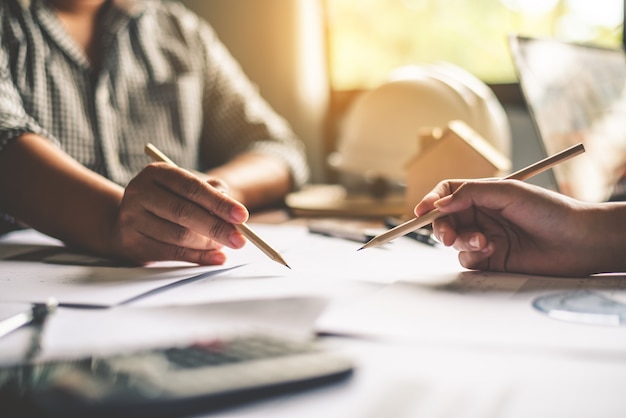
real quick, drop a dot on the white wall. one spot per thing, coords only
(279, 44)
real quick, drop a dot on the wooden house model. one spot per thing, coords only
(456, 151)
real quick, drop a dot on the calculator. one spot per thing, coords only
(172, 381)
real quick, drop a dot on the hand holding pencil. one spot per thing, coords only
(170, 214)
(510, 226)
(523, 174)
(242, 228)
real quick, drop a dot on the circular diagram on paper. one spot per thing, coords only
(582, 306)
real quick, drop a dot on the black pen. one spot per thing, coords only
(423, 235)
(343, 230)
(35, 315)
(351, 232)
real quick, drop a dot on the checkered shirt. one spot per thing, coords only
(164, 78)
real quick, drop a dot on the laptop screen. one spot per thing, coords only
(577, 93)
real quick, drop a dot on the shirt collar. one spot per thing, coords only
(130, 7)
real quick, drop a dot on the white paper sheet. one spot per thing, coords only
(35, 267)
(320, 265)
(74, 332)
(482, 310)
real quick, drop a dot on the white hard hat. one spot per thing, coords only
(380, 132)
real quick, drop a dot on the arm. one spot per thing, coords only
(165, 213)
(244, 141)
(46, 189)
(255, 179)
(515, 227)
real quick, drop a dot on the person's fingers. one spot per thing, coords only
(444, 231)
(218, 184)
(167, 232)
(148, 238)
(470, 241)
(188, 217)
(442, 189)
(426, 204)
(155, 193)
(477, 260)
(151, 250)
(485, 194)
(202, 193)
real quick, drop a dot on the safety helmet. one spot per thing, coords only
(379, 134)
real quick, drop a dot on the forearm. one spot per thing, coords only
(606, 236)
(255, 180)
(51, 192)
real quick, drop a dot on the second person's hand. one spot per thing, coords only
(512, 226)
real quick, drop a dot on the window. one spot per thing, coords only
(369, 38)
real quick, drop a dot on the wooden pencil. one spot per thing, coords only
(523, 174)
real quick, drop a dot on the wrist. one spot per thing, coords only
(606, 233)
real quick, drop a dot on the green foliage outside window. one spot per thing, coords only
(369, 38)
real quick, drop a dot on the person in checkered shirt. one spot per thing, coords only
(85, 84)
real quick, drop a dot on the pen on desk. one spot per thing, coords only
(36, 314)
(340, 230)
(428, 218)
(245, 230)
(423, 235)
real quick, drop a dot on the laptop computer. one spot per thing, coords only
(577, 93)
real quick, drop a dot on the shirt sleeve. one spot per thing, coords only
(14, 121)
(237, 118)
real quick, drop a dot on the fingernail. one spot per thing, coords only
(474, 241)
(487, 248)
(237, 239)
(443, 201)
(239, 214)
(217, 258)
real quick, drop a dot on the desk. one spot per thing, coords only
(429, 338)
(440, 380)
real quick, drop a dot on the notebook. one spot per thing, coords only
(577, 93)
